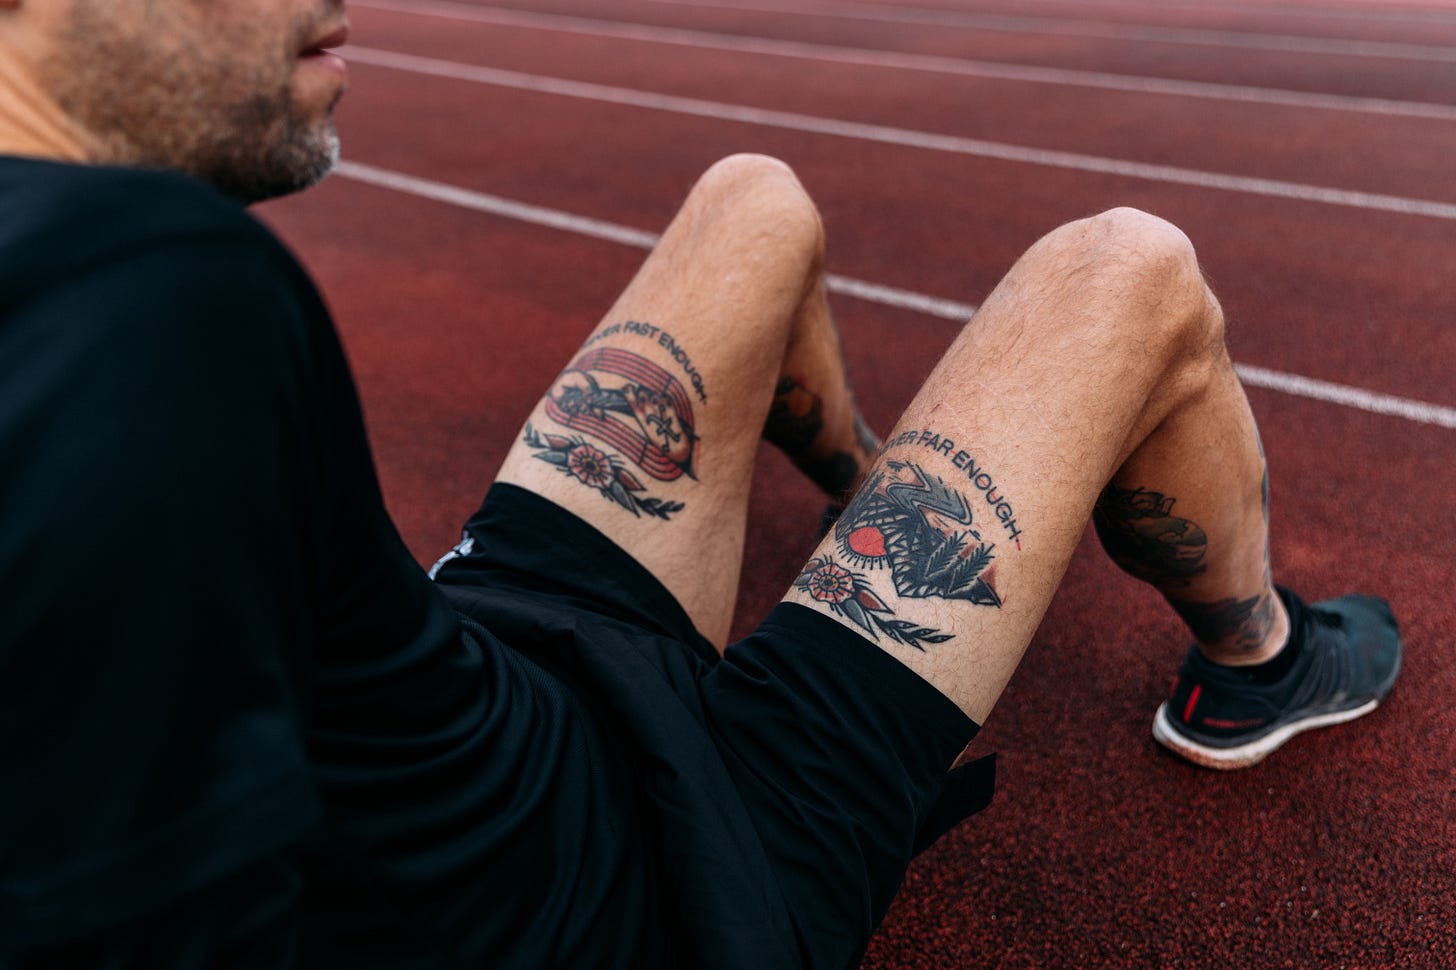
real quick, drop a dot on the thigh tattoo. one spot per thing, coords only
(628, 413)
(921, 533)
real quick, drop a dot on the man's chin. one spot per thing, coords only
(296, 167)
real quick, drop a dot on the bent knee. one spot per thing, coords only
(766, 192)
(1144, 247)
(749, 172)
(1141, 258)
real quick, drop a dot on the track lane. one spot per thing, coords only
(1394, 20)
(481, 13)
(1235, 138)
(1189, 26)
(1427, 79)
(1385, 316)
(878, 294)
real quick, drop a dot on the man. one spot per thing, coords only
(240, 725)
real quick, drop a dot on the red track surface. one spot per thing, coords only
(1100, 851)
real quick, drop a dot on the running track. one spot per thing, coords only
(506, 162)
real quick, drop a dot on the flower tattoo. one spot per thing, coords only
(590, 466)
(600, 470)
(847, 594)
(830, 584)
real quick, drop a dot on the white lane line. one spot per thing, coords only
(1352, 397)
(625, 235)
(862, 57)
(1090, 29)
(496, 205)
(1420, 412)
(903, 137)
(932, 306)
(1427, 16)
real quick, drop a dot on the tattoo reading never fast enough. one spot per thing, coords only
(664, 340)
(975, 473)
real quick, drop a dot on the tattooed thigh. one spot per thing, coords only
(928, 523)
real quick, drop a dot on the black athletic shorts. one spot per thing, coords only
(754, 811)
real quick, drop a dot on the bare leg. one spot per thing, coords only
(1099, 358)
(1160, 523)
(650, 433)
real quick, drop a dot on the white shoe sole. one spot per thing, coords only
(1244, 755)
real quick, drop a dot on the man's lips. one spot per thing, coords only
(327, 41)
(318, 57)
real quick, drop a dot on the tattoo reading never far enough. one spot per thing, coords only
(975, 473)
(664, 340)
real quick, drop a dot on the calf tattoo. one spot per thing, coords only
(1143, 536)
(593, 467)
(795, 421)
(1245, 621)
(795, 417)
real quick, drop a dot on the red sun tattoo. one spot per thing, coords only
(865, 546)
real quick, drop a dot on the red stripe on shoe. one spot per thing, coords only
(1192, 700)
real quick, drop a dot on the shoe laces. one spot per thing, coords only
(1326, 670)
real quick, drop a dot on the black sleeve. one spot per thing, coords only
(159, 535)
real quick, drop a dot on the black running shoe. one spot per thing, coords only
(1347, 661)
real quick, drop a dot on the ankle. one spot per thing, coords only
(1238, 632)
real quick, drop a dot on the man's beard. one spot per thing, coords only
(292, 157)
(232, 123)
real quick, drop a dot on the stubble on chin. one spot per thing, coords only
(152, 103)
(293, 155)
